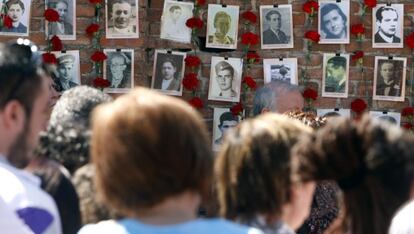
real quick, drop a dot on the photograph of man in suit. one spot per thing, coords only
(15, 10)
(65, 70)
(169, 79)
(224, 78)
(387, 82)
(121, 15)
(227, 121)
(333, 22)
(387, 22)
(222, 24)
(61, 27)
(335, 81)
(119, 74)
(274, 34)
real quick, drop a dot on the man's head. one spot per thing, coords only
(118, 64)
(175, 12)
(336, 68)
(61, 7)
(222, 22)
(121, 13)
(227, 121)
(333, 21)
(65, 67)
(387, 71)
(168, 69)
(224, 75)
(387, 20)
(24, 97)
(15, 9)
(274, 18)
(277, 96)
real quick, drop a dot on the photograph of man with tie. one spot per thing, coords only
(276, 34)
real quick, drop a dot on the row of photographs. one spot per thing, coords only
(226, 74)
(223, 120)
(276, 22)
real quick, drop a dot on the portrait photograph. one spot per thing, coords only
(68, 71)
(225, 79)
(333, 18)
(19, 13)
(223, 121)
(390, 117)
(168, 72)
(173, 19)
(389, 78)
(334, 112)
(119, 70)
(121, 19)
(285, 69)
(276, 26)
(222, 26)
(388, 26)
(65, 28)
(335, 75)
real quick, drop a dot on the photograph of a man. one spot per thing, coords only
(122, 19)
(389, 78)
(225, 79)
(168, 72)
(276, 25)
(333, 22)
(173, 21)
(389, 27)
(66, 71)
(64, 27)
(223, 121)
(222, 25)
(119, 69)
(390, 117)
(17, 10)
(280, 69)
(335, 82)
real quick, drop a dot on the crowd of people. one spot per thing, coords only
(142, 163)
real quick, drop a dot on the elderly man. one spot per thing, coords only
(118, 74)
(121, 15)
(65, 71)
(387, 22)
(61, 27)
(15, 10)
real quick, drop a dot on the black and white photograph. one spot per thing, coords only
(390, 117)
(168, 72)
(335, 75)
(388, 26)
(285, 69)
(333, 21)
(122, 19)
(223, 121)
(276, 26)
(65, 28)
(389, 78)
(334, 112)
(173, 19)
(19, 13)
(119, 70)
(222, 26)
(68, 71)
(225, 79)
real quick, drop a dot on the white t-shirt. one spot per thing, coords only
(403, 221)
(199, 226)
(24, 199)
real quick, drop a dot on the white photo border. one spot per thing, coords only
(213, 8)
(120, 36)
(341, 112)
(165, 18)
(262, 18)
(326, 57)
(341, 4)
(119, 90)
(267, 63)
(395, 115)
(400, 10)
(73, 22)
(403, 79)
(25, 19)
(217, 112)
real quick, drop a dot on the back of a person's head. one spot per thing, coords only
(253, 167)
(148, 147)
(372, 163)
(67, 137)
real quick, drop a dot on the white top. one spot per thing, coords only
(24, 199)
(403, 221)
(199, 226)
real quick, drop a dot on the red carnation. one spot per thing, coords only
(190, 81)
(370, 3)
(7, 21)
(196, 102)
(200, 2)
(410, 40)
(249, 16)
(357, 55)
(310, 7)
(95, 1)
(358, 105)
(98, 56)
(194, 22)
(312, 35)
(92, 29)
(51, 15)
(49, 58)
(252, 57)
(357, 29)
(56, 43)
(99, 82)
(407, 126)
(407, 111)
(310, 93)
(249, 39)
(192, 61)
(248, 80)
(236, 109)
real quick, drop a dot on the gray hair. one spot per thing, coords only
(267, 96)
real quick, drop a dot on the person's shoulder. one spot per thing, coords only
(403, 221)
(104, 227)
(223, 226)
